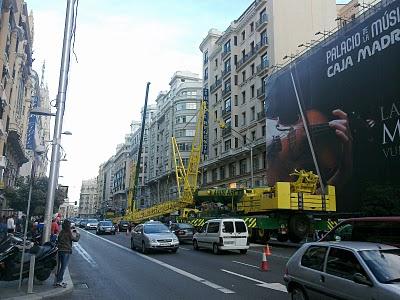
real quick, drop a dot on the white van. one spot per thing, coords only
(222, 234)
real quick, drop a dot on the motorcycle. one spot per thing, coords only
(11, 253)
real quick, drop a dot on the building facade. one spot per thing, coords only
(176, 116)
(88, 200)
(236, 65)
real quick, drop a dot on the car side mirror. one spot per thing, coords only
(361, 279)
(337, 238)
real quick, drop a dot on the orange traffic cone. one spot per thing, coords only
(267, 250)
(264, 262)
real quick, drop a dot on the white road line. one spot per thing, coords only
(172, 268)
(269, 285)
(180, 247)
(86, 256)
(242, 263)
(274, 255)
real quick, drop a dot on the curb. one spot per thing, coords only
(53, 292)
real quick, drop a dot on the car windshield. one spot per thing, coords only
(384, 264)
(92, 221)
(105, 223)
(124, 222)
(185, 226)
(156, 228)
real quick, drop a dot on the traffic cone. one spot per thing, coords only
(267, 250)
(264, 263)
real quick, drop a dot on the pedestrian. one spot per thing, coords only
(65, 239)
(55, 230)
(11, 224)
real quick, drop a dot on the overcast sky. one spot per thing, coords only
(120, 46)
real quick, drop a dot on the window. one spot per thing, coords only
(205, 57)
(243, 35)
(252, 89)
(227, 106)
(251, 26)
(244, 139)
(242, 166)
(244, 118)
(227, 65)
(215, 151)
(216, 97)
(228, 122)
(216, 115)
(252, 69)
(235, 60)
(263, 130)
(243, 76)
(232, 170)
(228, 227)
(243, 97)
(236, 101)
(253, 113)
(264, 159)
(206, 73)
(227, 145)
(252, 48)
(314, 258)
(240, 227)
(253, 135)
(256, 163)
(236, 79)
(190, 132)
(213, 227)
(243, 53)
(214, 175)
(222, 172)
(203, 228)
(236, 142)
(235, 40)
(343, 263)
(215, 134)
(216, 62)
(227, 46)
(236, 121)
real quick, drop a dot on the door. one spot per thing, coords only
(212, 235)
(201, 235)
(137, 236)
(228, 233)
(241, 234)
(341, 266)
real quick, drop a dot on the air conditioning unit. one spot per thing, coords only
(3, 162)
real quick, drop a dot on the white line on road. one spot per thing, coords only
(242, 263)
(172, 268)
(269, 285)
(86, 256)
(180, 247)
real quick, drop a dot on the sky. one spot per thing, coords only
(120, 45)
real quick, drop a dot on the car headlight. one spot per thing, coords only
(153, 240)
(175, 240)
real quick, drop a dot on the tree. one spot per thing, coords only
(17, 196)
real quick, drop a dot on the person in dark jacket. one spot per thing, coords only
(65, 239)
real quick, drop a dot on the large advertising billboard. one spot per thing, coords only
(348, 87)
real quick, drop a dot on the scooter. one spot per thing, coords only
(10, 258)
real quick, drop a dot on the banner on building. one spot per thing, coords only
(348, 87)
(30, 137)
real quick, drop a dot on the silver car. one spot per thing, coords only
(344, 270)
(91, 224)
(154, 235)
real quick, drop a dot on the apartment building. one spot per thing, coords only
(348, 12)
(88, 200)
(236, 65)
(176, 116)
(104, 185)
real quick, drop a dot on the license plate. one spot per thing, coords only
(229, 242)
(164, 244)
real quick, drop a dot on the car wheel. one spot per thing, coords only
(144, 250)
(215, 249)
(243, 251)
(97, 233)
(298, 293)
(195, 245)
(132, 245)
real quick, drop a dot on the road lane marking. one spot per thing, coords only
(242, 263)
(274, 255)
(86, 256)
(180, 247)
(269, 285)
(172, 268)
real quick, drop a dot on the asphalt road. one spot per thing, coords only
(106, 268)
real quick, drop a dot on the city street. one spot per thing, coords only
(105, 267)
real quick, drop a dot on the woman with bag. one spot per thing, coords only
(65, 239)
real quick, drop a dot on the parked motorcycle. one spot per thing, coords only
(11, 253)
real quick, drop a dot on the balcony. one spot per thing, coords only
(262, 45)
(225, 53)
(262, 68)
(262, 22)
(216, 84)
(260, 115)
(261, 93)
(226, 111)
(247, 58)
(226, 72)
(226, 91)
(227, 131)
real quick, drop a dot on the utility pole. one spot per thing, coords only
(61, 97)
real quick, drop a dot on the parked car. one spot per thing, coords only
(222, 234)
(184, 231)
(153, 235)
(105, 227)
(344, 270)
(91, 224)
(123, 226)
(82, 223)
(384, 230)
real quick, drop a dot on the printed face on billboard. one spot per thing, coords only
(348, 88)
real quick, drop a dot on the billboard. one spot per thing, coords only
(348, 88)
(32, 130)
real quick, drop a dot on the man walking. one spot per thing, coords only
(11, 224)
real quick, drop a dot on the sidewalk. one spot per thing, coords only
(41, 290)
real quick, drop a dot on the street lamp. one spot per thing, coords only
(222, 125)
